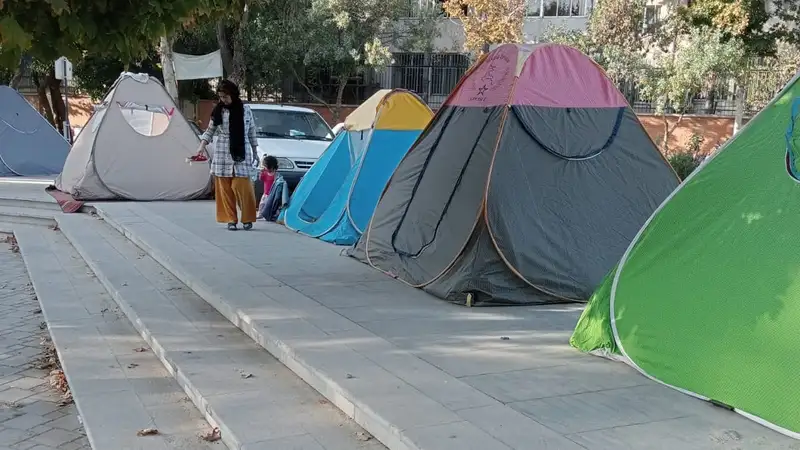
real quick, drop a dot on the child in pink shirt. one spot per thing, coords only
(269, 168)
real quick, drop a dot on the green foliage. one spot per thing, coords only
(672, 76)
(618, 23)
(47, 29)
(686, 161)
(345, 33)
(785, 28)
(768, 76)
(95, 75)
(5, 76)
(276, 42)
(579, 39)
(197, 38)
(743, 19)
(615, 38)
(417, 32)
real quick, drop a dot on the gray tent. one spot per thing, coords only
(29, 145)
(135, 147)
(526, 188)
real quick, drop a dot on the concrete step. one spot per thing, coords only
(29, 216)
(405, 402)
(255, 401)
(12, 202)
(118, 384)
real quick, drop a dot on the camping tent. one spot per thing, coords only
(525, 188)
(336, 198)
(709, 287)
(134, 147)
(29, 145)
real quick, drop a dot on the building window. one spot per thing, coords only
(558, 8)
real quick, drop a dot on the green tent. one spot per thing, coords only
(706, 299)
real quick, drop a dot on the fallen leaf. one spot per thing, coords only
(147, 432)
(349, 377)
(211, 436)
(505, 338)
(140, 350)
(132, 366)
(363, 436)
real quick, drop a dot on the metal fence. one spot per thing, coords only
(434, 76)
(761, 85)
(431, 76)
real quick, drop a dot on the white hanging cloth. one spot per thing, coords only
(196, 67)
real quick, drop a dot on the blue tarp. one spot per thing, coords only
(336, 198)
(29, 145)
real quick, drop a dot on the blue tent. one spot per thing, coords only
(29, 145)
(336, 198)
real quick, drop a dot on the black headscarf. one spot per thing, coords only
(235, 118)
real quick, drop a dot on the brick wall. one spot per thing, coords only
(715, 129)
(80, 109)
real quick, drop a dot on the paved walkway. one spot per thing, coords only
(430, 374)
(32, 415)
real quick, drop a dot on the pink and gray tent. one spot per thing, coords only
(526, 187)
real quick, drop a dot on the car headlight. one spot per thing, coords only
(285, 163)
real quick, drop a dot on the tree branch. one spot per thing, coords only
(310, 92)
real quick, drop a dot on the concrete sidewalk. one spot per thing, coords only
(416, 372)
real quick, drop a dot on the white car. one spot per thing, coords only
(296, 136)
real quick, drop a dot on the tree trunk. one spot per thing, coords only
(741, 102)
(59, 108)
(18, 73)
(224, 47)
(665, 137)
(167, 68)
(339, 95)
(316, 97)
(237, 74)
(710, 100)
(44, 102)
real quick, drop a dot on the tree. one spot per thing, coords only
(788, 14)
(48, 29)
(615, 38)
(95, 75)
(344, 35)
(418, 31)
(197, 38)
(745, 20)
(672, 77)
(488, 22)
(167, 65)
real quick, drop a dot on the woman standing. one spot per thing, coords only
(232, 161)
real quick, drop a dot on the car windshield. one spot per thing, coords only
(291, 125)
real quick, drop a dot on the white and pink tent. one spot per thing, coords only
(135, 148)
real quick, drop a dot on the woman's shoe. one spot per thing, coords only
(247, 226)
(232, 226)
